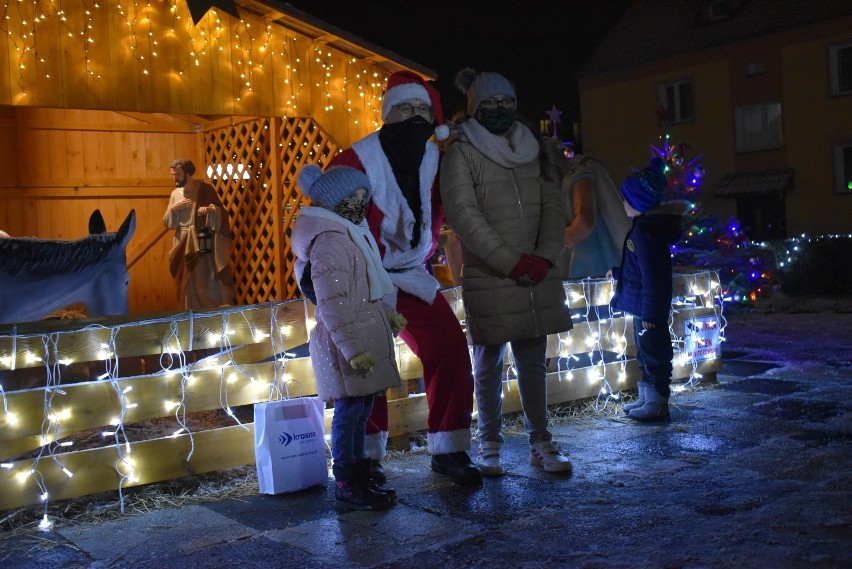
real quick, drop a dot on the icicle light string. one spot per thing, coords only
(50, 426)
(173, 344)
(172, 358)
(565, 339)
(146, 24)
(226, 348)
(279, 387)
(597, 335)
(5, 402)
(279, 353)
(122, 448)
(694, 376)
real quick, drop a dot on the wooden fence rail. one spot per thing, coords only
(61, 381)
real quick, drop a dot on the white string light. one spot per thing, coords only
(607, 335)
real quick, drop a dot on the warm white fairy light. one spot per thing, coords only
(609, 332)
(252, 40)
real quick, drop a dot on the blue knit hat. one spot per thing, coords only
(644, 189)
(328, 189)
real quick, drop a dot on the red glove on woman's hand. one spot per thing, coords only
(538, 268)
(521, 268)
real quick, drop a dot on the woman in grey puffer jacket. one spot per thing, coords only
(508, 214)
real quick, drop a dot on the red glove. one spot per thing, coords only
(521, 268)
(538, 268)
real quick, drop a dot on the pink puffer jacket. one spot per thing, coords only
(348, 322)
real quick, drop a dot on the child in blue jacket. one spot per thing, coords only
(644, 288)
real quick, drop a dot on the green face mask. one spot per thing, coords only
(496, 121)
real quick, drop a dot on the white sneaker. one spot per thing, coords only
(546, 455)
(488, 459)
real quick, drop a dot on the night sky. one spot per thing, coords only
(538, 45)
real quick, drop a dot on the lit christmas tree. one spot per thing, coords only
(746, 270)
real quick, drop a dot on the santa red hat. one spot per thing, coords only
(406, 85)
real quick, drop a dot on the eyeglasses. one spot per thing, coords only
(492, 103)
(409, 110)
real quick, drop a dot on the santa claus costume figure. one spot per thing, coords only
(405, 217)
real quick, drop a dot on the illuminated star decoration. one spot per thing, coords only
(198, 8)
(554, 115)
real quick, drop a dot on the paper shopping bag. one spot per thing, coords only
(289, 444)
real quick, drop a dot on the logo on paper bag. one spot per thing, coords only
(286, 438)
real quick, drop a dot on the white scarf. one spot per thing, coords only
(377, 277)
(407, 264)
(516, 148)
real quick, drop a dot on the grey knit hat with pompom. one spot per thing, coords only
(479, 86)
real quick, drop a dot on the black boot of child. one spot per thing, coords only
(364, 467)
(377, 472)
(350, 493)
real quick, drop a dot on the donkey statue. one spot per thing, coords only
(39, 276)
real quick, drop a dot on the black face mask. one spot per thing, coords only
(404, 144)
(415, 129)
(496, 121)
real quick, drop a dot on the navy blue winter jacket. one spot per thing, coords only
(644, 285)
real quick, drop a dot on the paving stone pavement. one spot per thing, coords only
(751, 472)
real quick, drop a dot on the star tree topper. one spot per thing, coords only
(198, 8)
(554, 115)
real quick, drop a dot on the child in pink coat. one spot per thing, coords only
(351, 347)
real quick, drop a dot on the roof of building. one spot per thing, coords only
(651, 30)
(312, 27)
(755, 183)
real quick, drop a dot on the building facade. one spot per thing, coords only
(761, 90)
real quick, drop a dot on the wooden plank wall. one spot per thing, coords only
(129, 55)
(67, 163)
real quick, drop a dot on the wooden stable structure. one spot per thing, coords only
(98, 98)
(252, 355)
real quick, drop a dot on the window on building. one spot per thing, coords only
(840, 62)
(675, 97)
(758, 127)
(843, 168)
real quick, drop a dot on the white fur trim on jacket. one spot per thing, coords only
(375, 445)
(444, 442)
(405, 265)
(401, 93)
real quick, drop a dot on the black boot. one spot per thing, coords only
(458, 466)
(351, 494)
(364, 468)
(377, 472)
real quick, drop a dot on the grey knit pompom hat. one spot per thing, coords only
(479, 86)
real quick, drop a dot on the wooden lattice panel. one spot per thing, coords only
(247, 163)
(303, 141)
(238, 159)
